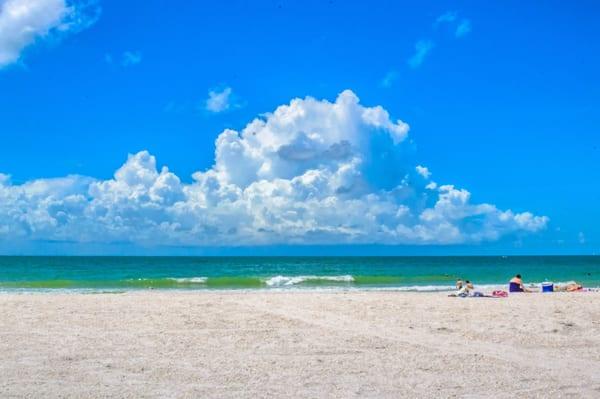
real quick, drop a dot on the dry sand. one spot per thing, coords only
(298, 344)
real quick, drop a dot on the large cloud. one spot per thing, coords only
(22, 22)
(310, 172)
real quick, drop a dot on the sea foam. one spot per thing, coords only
(189, 280)
(281, 281)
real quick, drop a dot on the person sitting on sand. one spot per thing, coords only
(516, 284)
(463, 288)
(459, 283)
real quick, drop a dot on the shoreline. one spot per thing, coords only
(421, 289)
(296, 343)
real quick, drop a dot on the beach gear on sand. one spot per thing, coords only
(500, 294)
(547, 286)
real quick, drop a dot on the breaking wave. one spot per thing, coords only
(282, 281)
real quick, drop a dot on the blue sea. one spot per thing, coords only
(102, 273)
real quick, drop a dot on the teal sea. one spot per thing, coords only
(200, 273)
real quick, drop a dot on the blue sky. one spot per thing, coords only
(502, 100)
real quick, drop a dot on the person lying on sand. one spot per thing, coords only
(574, 287)
(516, 284)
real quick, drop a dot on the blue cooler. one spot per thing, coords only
(547, 287)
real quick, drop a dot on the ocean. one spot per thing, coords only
(103, 273)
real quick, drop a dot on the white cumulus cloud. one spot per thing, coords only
(219, 100)
(310, 172)
(423, 171)
(23, 22)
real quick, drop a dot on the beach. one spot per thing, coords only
(249, 344)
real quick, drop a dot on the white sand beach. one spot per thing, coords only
(155, 344)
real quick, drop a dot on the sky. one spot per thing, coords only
(299, 127)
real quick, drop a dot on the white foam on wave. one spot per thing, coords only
(283, 281)
(190, 280)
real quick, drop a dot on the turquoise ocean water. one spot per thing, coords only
(201, 273)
